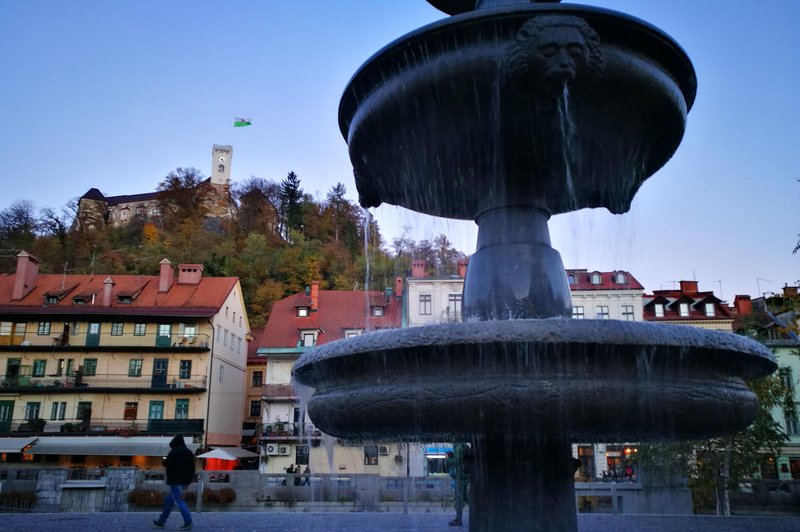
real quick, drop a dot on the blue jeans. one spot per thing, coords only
(175, 498)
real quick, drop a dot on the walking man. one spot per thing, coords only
(180, 473)
(459, 464)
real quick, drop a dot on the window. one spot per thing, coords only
(792, 425)
(377, 312)
(221, 372)
(44, 328)
(601, 312)
(352, 333)
(301, 455)
(131, 411)
(135, 368)
(233, 341)
(684, 310)
(187, 329)
(219, 333)
(255, 408)
(240, 321)
(627, 312)
(185, 371)
(425, 304)
(39, 367)
(225, 337)
(578, 313)
(84, 412)
(709, 309)
(571, 279)
(75, 329)
(32, 410)
(181, 409)
(58, 410)
(233, 319)
(226, 312)
(238, 345)
(90, 366)
(659, 309)
(139, 329)
(785, 375)
(309, 338)
(370, 455)
(596, 278)
(454, 306)
(156, 410)
(619, 278)
(257, 378)
(116, 329)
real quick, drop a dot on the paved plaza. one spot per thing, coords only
(371, 522)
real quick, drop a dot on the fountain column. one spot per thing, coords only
(515, 273)
(522, 483)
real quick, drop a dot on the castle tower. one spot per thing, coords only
(221, 157)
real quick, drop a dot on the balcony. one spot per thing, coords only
(290, 432)
(75, 382)
(102, 426)
(31, 341)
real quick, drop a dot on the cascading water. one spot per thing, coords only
(462, 119)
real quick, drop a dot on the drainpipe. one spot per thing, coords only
(210, 371)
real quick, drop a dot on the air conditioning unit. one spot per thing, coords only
(284, 450)
(272, 449)
(383, 451)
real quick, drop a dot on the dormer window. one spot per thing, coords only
(596, 278)
(352, 333)
(51, 300)
(377, 312)
(125, 299)
(709, 309)
(684, 310)
(620, 278)
(79, 300)
(571, 279)
(308, 338)
(659, 310)
(302, 312)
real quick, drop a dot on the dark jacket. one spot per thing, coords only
(179, 463)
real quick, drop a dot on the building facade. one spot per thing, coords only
(297, 324)
(115, 357)
(688, 306)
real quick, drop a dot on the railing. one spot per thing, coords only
(104, 426)
(108, 380)
(127, 340)
(282, 431)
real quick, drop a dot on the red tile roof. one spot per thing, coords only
(338, 311)
(608, 281)
(202, 299)
(671, 299)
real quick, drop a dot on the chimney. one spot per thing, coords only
(25, 276)
(743, 305)
(417, 268)
(689, 287)
(108, 284)
(398, 287)
(166, 277)
(789, 291)
(462, 268)
(190, 273)
(315, 295)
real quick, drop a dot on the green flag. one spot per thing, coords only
(242, 122)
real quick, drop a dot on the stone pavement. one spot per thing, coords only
(369, 522)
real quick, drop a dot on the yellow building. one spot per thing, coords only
(118, 361)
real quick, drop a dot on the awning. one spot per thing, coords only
(105, 445)
(14, 445)
(228, 453)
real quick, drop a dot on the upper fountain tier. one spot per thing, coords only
(551, 106)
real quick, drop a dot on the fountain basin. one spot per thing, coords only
(586, 380)
(435, 122)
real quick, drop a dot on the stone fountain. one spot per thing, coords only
(506, 113)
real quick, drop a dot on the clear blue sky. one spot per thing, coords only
(115, 94)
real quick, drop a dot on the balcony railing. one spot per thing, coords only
(102, 426)
(105, 340)
(109, 380)
(281, 431)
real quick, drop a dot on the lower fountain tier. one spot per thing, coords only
(588, 380)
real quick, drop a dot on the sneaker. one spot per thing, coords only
(186, 526)
(455, 522)
(157, 524)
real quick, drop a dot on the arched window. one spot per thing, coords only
(620, 278)
(596, 278)
(571, 279)
(221, 168)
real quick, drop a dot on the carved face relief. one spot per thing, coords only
(552, 51)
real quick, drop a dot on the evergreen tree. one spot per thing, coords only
(291, 196)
